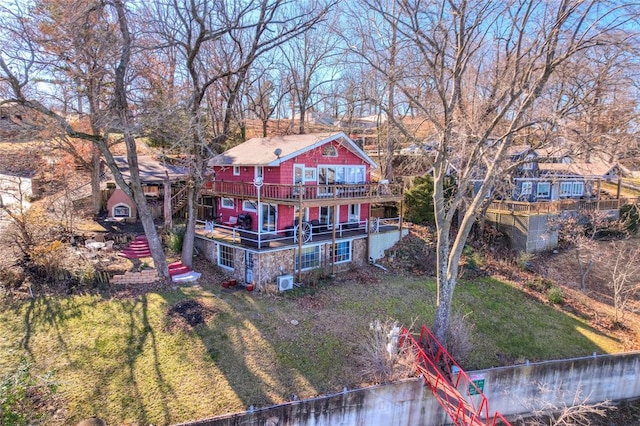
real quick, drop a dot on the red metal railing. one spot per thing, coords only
(445, 378)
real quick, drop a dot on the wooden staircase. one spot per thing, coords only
(179, 200)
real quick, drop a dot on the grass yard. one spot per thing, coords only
(139, 361)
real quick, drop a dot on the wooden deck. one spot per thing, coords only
(286, 238)
(308, 195)
(554, 207)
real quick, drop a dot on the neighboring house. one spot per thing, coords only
(553, 175)
(288, 204)
(153, 175)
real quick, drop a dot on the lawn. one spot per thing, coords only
(137, 361)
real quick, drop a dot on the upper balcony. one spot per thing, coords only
(307, 195)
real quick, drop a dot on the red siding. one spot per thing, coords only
(284, 175)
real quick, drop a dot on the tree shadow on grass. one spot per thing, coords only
(99, 352)
(235, 343)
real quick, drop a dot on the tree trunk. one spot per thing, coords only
(96, 194)
(190, 231)
(121, 107)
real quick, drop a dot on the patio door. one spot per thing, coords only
(269, 217)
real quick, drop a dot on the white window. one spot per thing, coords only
(259, 172)
(578, 189)
(225, 257)
(298, 173)
(250, 206)
(354, 212)
(227, 203)
(326, 215)
(236, 170)
(527, 188)
(269, 217)
(309, 174)
(355, 174)
(121, 210)
(543, 190)
(342, 252)
(528, 165)
(296, 214)
(565, 189)
(310, 257)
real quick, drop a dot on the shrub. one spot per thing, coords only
(555, 295)
(47, 258)
(418, 200)
(539, 284)
(175, 238)
(524, 260)
(381, 358)
(460, 337)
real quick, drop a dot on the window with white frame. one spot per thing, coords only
(325, 215)
(298, 173)
(526, 188)
(225, 257)
(354, 212)
(236, 170)
(259, 172)
(543, 190)
(309, 174)
(121, 210)
(227, 203)
(578, 189)
(528, 165)
(571, 189)
(310, 257)
(250, 206)
(342, 252)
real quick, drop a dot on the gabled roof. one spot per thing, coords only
(593, 169)
(151, 169)
(262, 151)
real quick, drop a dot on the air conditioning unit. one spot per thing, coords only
(285, 282)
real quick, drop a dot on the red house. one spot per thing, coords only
(293, 203)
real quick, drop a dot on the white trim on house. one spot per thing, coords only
(120, 205)
(229, 207)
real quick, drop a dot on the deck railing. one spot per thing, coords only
(548, 207)
(310, 232)
(304, 192)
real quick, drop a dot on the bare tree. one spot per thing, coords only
(481, 69)
(264, 96)
(579, 411)
(623, 271)
(23, 62)
(310, 62)
(218, 44)
(581, 231)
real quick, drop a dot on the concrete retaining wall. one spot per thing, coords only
(513, 391)
(379, 242)
(528, 233)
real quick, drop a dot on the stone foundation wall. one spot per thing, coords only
(269, 265)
